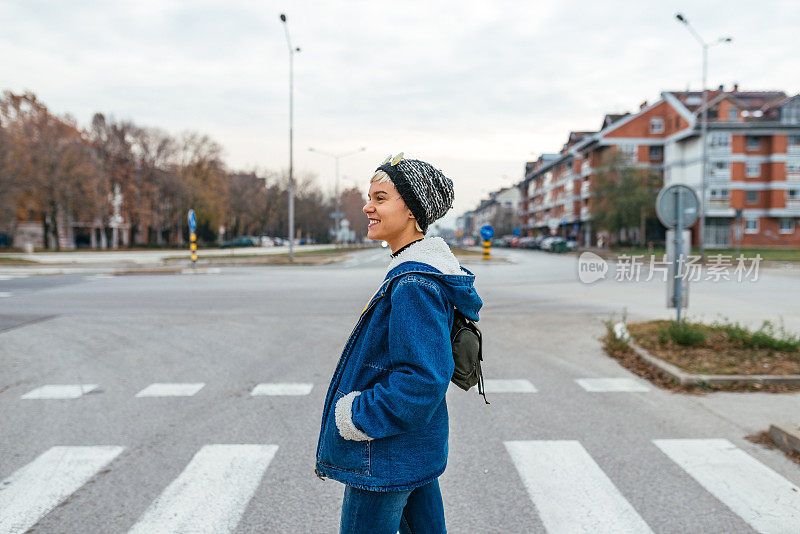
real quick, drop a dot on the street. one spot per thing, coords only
(196, 401)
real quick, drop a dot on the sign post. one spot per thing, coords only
(487, 232)
(677, 208)
(193, 236)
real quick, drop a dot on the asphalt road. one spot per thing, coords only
(556, 451)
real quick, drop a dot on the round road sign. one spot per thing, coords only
(668, 201)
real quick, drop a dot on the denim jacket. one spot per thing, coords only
(384, 423)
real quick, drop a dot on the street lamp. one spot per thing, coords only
(337, 157)
(291, 136)
(703, 127)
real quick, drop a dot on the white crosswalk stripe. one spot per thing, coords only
(4, 277)
(161, 389)
(211, 494)
(570, 491)
(38, 487)
(60, 391)
(508, 386)
(5, 294)
(604, 385)
(764, 499)
(283, 388)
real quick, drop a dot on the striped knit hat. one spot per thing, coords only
(426, 191)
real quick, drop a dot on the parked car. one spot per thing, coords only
(241, 241)
(267, 241)
(572, 244)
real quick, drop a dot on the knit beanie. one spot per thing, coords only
(426, 191)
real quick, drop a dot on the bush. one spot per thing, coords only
(766, 337)
(683, 333)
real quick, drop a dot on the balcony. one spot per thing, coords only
(718, 204)
(793, 177)
(586, 169)
(584, 211)
(719, 150)
(793, 204)
(793, 150)
(585, 190)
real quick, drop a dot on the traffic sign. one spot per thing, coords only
(487, 231)
(668, 201)
(192, 221)
(516, 231)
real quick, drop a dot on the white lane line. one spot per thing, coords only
(5, 294)
(763, 498)
(4, 277)
(211, 494)
(60, 391)
(508, 386)
(283, 388)
(36, 488)
(162, 389)
(100, 276)
(570, 491)
(610, 384)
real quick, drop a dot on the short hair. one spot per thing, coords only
(381, 177)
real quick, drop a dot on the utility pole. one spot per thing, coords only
(291, 137)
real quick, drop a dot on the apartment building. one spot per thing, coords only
(754, 167)
(753, 177)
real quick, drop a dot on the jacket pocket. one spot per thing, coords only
(340, 453)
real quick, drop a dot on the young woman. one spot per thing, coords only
(384, 424)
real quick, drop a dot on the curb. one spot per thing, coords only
(684, 378)
(786, 436)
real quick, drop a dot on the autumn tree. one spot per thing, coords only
(623, 196)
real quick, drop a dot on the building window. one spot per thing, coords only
(719, 194)
(720, 139)
(751, 197)
(656, 125)
(793, 166)
(790, 114)
(793, 194)
(794, 139)
(787, 225)
(733, 114)
(722, 166)
(656, 153)
(751, 225)
(753, 142)
(628, 152)
(753, 169)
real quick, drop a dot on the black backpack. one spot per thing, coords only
(467, 342)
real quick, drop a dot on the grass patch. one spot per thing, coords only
(7, 260)
(767, 254)
(721, 348)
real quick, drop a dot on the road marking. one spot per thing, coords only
(5, 294)
(570, 491)
(283, 388)
(763, 498)
(508, 386)
(610, 384)
(60, 391)
(165, 389)
(100, 276)
(211, 494)
(4, 277)
(36, 488)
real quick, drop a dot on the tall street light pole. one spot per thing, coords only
(291, 137)
(337, 157)
(703, 128)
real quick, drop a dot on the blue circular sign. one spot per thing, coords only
(487, 231)
(516, 232)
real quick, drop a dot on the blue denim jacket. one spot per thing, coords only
(384, 423)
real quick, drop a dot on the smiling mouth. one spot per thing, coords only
(373, 222)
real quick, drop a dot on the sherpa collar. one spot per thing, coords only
(432, 251)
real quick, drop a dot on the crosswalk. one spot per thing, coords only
(567, 488)
(189, 389)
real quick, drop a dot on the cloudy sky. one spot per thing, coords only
(476, 88)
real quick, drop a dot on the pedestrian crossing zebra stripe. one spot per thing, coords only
(764, 499)
(171, 389)
(570, 491)
(211, 493)
(35, 489)
(282, 388)
(60, 391)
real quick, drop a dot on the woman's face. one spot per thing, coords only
(388, 214)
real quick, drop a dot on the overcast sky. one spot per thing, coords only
(473, 87)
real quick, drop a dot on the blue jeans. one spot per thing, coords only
(417, 511)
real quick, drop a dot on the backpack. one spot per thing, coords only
(467, 342)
